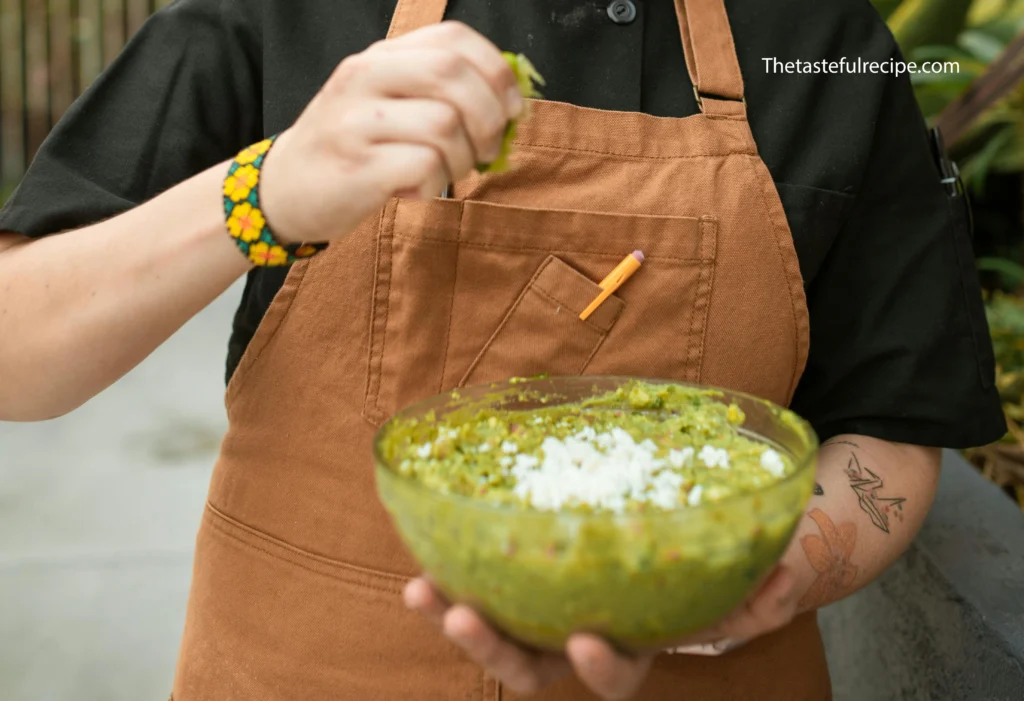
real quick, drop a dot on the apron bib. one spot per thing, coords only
(296, 592)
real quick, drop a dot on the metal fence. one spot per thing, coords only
(51, 50)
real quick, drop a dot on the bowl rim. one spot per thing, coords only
(808, 463)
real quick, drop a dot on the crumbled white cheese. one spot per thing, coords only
(424, 450)
(772, 461)
(693, 498)
(505, 461)
(680, 458)
(527, 462)
(604, 471)
(714, 457)
(509, 447)
(484, 448)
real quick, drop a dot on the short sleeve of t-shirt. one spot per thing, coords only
(900, 348)
(182, 96)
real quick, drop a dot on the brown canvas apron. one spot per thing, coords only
(298, 571)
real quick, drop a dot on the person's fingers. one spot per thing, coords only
(430, 73)
(420, 596)
(603, 671)
(521, 671)
(479, 51)
(408, 169)
(426, 122)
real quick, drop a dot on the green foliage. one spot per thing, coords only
(1006, 322)
(972, 33)
(5, 191)
(917, 23)
(886, 7)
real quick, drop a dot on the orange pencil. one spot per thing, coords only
(616, 278)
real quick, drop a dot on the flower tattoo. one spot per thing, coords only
(829, 555)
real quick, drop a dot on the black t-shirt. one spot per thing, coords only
(899, 344)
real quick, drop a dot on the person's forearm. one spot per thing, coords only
(80, 309)
(871, 500)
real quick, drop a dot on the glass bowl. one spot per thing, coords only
(642, 581)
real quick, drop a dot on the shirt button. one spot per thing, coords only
(622, 11)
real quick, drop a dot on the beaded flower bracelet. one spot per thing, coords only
(245, 219)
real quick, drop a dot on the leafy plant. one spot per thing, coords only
(917, 23)
(1011, 273)
(986, 136)
(1003, 462)
(5, 191)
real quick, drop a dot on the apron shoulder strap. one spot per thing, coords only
(711, 56)
(707, 42)
(411, 15)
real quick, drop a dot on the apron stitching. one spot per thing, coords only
(298, 552)
(395, 18)
(504, 320)
(532, 287)
(376, 360)
(600, 343)
(451, 305)
(275, 321)
(588, 252)
(265, 551)
(498, 208)
(705, 286)
(799, 330)
(574, 149)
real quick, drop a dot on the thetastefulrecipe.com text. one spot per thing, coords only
(859, 65)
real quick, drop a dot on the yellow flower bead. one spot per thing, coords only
(246, 157)
(250, 154)
(239, 184)
(262, 254)
(246, 223)
(262, 147)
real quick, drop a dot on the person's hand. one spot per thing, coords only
(405, 117)
(607, 673)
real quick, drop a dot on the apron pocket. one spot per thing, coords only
(272, 622)
(467, 292)
(542, 333)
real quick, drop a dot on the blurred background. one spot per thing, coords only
(98, 509)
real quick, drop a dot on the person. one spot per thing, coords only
(799, 245)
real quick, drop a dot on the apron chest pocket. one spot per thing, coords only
(542, 332)
(470, 292)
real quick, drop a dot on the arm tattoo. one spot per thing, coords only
(833, 441)
(866, 485)
(829, 555)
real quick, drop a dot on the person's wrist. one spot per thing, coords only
(246, 218)
(275, 210)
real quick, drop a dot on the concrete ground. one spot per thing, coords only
(98, 513)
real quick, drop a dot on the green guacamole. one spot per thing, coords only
(642, 513)
(682, 430)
